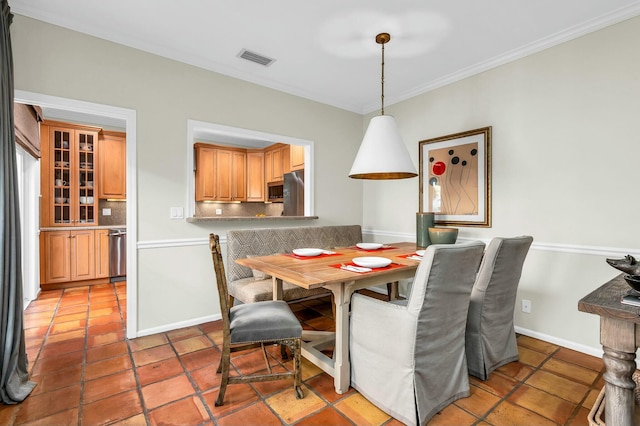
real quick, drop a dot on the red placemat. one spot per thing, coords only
(295, 256)
(390, 266)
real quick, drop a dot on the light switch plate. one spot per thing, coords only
(218, 211)
(106, 212)
(176, 213)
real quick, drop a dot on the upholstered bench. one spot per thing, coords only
(248, 287)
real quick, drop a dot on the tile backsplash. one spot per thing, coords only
(238, 209)
(118, 215)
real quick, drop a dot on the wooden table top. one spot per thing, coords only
(314, 272)
(605, 301)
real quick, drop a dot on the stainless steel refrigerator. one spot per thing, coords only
(293, 194)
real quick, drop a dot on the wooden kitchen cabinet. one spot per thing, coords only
(297, 157)
(68, 175)
(102, 253)
(221, 173)
(68, 256)
(112, 158)
(255, 176)
(277, 162)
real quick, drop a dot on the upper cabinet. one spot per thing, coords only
(255, 176)
(112, 156)
(220, 174)
(68, 175)
(297, 157)
(277, 162)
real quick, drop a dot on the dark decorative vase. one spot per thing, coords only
(424, 221)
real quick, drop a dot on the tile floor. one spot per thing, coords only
(88, 373)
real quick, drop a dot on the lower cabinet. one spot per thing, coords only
(77, 255)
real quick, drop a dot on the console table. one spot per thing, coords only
(620, 337)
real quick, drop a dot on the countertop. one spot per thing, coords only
(77, 228)
(237, 218)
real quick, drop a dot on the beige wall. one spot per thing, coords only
(566, 146)
(175, 278)
(565, 153)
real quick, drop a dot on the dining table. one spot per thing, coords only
(333, 270)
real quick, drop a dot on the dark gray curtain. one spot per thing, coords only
(14, 384)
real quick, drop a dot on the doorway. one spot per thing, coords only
(128, 118)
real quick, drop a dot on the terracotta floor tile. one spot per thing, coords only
(165, 391)
(192, 344)
(543, 403)
(290, 409)
(323, 385)
(63, 347)
(107, 319)
(531, 357)
(580, 418)
(146, 342)
(38, 320)
(536, 345)
(64, 327)
(112, 327)
(154, 354)
(108, 386)
(255, 414)
(137, 420)
(206, 378)
(216, 337)
(158, 371)
(360, 411)
(59, 318)
(208, 327)
(187, 411)
(112, 409)
(328, 416)
(591, 398)
(452, 416)
(322, 323)
(578, 358)
(205, 358)
(559, 386)
(106, 367)
(249, 362)
(66, 336)
(107, 351)
(184, 333)
(307, 314)
(479, 403)
(60, 362)
(236, 397)
(69, 417)
(509, 414)
(105, 339)
(571, 371)
(56, 379)
(49, 403)
(273, 386)
(95, 313)
(69, 310)
(496, 384)
(309, 369)
(516, 370)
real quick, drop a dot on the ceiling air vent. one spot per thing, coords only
(255, 57)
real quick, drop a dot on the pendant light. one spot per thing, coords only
(382, 154)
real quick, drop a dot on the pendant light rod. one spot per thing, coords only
(382, 39)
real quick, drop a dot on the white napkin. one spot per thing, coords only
(328, 252)
(355, 268)
(414, 257)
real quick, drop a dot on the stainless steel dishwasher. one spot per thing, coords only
(117, 255)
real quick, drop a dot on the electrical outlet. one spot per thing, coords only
(106, 212)
(526, 306)
(218, 211)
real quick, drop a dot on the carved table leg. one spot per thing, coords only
(619, 386)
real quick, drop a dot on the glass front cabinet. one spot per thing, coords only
(68, 182)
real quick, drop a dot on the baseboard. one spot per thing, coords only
(597, 352)
(178, 325)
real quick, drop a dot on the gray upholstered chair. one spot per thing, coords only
(490, 336)
(408, 359)
(254, 325)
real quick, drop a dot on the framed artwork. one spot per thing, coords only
(455, 178)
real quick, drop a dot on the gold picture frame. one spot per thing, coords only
(455, 178)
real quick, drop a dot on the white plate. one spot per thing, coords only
(369, 246)
(307, 252)
(420, 252)
(371, 262)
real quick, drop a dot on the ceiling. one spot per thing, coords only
(326, 50)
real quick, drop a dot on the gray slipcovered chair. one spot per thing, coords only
(490, 336)
(254, 325)
(408, 359)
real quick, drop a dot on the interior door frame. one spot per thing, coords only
(129, 116)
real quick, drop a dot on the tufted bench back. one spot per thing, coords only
(266, 241)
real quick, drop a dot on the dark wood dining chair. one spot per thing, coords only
(254, 325)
